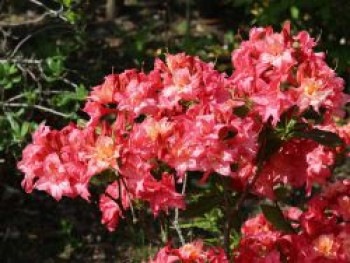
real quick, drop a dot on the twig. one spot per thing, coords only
(39, 107)
(67, 81)
(21, 61)
(20, 43)
(134, 219)
(227, 223)
(116, 200)
(249, 186)
(56, 13)
(5, 35)
(19, 96)
(176, 217)
(238, 206)
(28, 71)
(26, 22)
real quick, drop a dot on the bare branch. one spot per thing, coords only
(134, 219)
(38, 107)
(56, 13)
(21, 61)
(20, 43)
(67, 81)
(176, 217)
(19, 96)
(26, 22)
(247, 189)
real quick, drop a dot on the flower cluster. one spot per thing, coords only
(56, 162)
(274, 71)
(193, 252)
(322, 232)
(298, 162)
(149, 129)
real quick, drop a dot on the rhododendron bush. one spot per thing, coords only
(266, 138)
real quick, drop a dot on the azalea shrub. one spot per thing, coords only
(262, 143)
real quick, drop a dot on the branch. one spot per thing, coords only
(176, 217)
(26, 22)
(227, 224)
(21, 61)
(238, 206)
(20, 43)
(49, 12)
(249, 186)
(39, 107)
(117, 201)
(19, 96)
(67, 81)
(56, 13)
(134, 219)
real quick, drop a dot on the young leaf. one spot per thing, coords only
(275, 216)
(326, 138)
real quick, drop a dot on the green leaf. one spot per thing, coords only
(81, 92)
(16, 79)
(241, 111)
(326, 138)
(294, 12)
(13, 123)
(8, 85)
(72, 16)
(269, 142)
(25, 129)
(55, 65)
(104, 178)
(281, 192)
(12, 70)
(209, 221)
(67, 3)
(275, 216)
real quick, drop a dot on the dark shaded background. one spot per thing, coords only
(53, 51)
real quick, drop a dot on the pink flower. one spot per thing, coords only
(161, 194)
(194, 252)
(164, 256)
(191, 252)
(104, 93)
(103, 154)
(54, 162)
(276, 71)
(298, 162)
(137, 92)
(320, 236)
(111, 211)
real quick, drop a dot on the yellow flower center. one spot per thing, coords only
(311, 87)
(191, 250)
(275, 48)
(104, 148)
(153, 131)
(324, 245)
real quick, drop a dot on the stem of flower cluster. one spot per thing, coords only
(134, 218)
(249, 186)
(230, 213)
(176, 217)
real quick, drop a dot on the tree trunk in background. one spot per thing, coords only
(113, 8)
